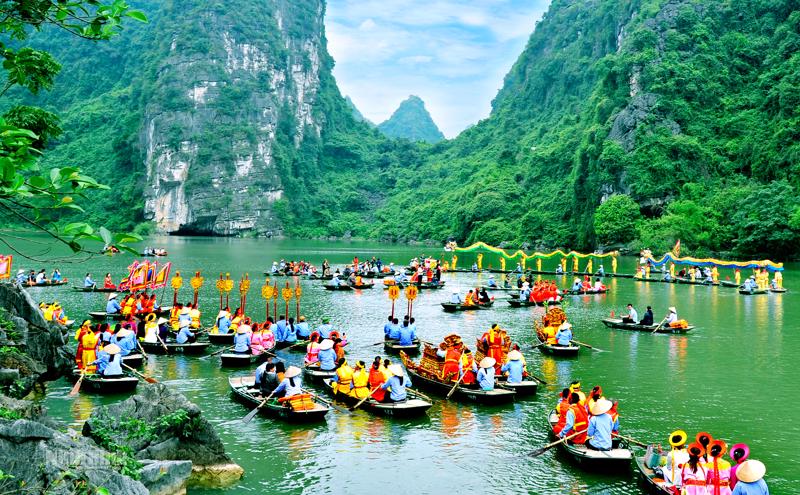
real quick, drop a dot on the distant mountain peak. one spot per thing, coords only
(412, 121)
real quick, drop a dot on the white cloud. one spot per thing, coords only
(453, 54)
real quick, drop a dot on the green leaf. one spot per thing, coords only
(138, 15)
(106, 235)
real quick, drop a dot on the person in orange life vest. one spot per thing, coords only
(128, 304)
(149, 304)
(469, 300)
(739, 453)
(577, 421)
(452, 357)
(719, 470)
(467, 367)
(493, 340)
(141, 304)
(561, 409)
(376, 379)
(694, 472)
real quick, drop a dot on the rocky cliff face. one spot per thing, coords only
(230, 91)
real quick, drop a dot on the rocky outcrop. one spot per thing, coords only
(175, 431)
(227, 94)
(34, 349)
(43, 460)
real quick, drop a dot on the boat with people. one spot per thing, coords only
(728, 283)
(172, 348)
(427, 374)
(559, 350)
(98, 384)
(516, 303)
(777, 290)
(636, 327)
(47, 283)
(548, 331)
(337, 287)
(414, 406)
(688, 281)
(527, 387)
(392, 346)
(650, 479)
(614, 460)
(94, 289)
(102, 315)
(585, 292)
(754, 292)
(455, 307)
(306, 408)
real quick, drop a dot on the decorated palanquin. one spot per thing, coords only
(554, 317)
(430, 366)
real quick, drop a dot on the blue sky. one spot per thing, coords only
(453, 54)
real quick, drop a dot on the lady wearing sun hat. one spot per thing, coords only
(672, 316)
(600, 425)
(676, 458)
(739, 453)
(291, 384)
(125, 339)
(751, 479)
(694, 473)
(396, 384)
(485, 375)
(719, 470)
(109, 362)
(327, 356)
(514, 366)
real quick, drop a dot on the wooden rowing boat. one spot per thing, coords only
(243, 391)
(779, 290)
(526, 388)
(102, 315)
(93, 289)
(236, 360)
(559, 350)
(654, 483)
(516, 303)
(754, 292)
(453, 307)
(48, 283)
(337, 287)
(728, 283)
(412, 407)
(424, 379)
(317, 375)
(616, 459)
(501, 289)
(680, 280)
(393, 347)
(618, 323)
(221, 338)
(362, 286)
(590, 292)
(133, 360)
(175, 348)
(98, 384)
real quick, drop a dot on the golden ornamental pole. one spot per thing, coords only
(197, 282)
(244, 288)
(221, 289)
(228, 289)
(266, 293)
(287, 294)
(298, 291)
(176, 283)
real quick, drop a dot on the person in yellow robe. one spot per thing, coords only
(360, 381)
(89, 346)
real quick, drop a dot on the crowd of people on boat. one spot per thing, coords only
(474, 297)
(404, 334)
(34, 278)
(134, 304)
(586, 285)
(542, 291)
(151, 251)
(54, 312)
(589, 421)
(699, 467)
(101, 348)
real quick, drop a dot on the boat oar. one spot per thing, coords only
(549, 446)
(216, 353)
(452, 390)
(252, 414)
(141, 375)
(660, 324)
(365, 398)
(326, 402)
(420, 394)
(537, 379)
(166, 349)
(587, 346)
(139, 345)
(540, 344)
(77, 387)
(631, 440)
(378, 343)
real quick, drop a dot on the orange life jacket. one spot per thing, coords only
(581, 423)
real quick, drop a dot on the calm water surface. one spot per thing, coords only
(734, 376)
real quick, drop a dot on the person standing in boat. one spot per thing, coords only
(648, 317)
(514, 367)
(493, 342)
(486, 374)
(632, 316)
(719, 470)
(751, 479)
(89, 346)
(396, 385)
(452, 357)
(577, 420)
(693, 473)
(467, 368)
(601, 425)
(241, 341)
(327, 356)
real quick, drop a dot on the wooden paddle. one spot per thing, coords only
(166, 349)
(141, 375)
(216, 353)
(549, 446)
(587, 346)
(420, 394)
(537, 379)
(77, 387)
(631, 440)
(660, 324)
(345, 411)
(365, 398)
(139, 345)
(252, 414)
(452, 390)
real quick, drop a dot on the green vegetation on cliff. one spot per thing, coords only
(412, 121)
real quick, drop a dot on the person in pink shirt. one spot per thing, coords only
(312, 349)
(694, 473)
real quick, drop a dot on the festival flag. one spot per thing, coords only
(150, 276)
(5, 266)
(138, 277)
(677, 249)
(162, 276)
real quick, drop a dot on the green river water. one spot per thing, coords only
(733, 377)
